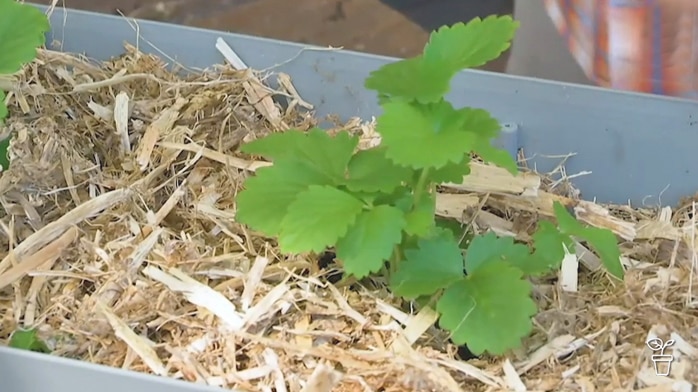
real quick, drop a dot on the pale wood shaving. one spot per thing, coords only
(198, 294)
(254, 278)
(323, 379)
(512, 378)
(569, 279)
(47, 254)
(140, 345)
(121, 114)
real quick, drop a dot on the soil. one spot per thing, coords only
(397, 28)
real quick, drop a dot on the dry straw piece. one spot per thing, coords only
(122, 248)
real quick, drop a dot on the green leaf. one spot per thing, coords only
(496, 156)
(400, 197)
(427, 83)
(480, 122)
(601, 240)
(268, 194)
(371, 171)
(435, 264)
(3, 108)
(472, 44)
(328, 154)
(369, 242)
(420, 137)
(490, 309)
(22, 31)
(451, 173)
(318, 217)
(27, 339)
(549, 244)
(420, 221)
(605, 244)
(4, 156)
(567, 223)
(459, 231)
(487, 248)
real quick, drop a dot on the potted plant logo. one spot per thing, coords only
(662, 362)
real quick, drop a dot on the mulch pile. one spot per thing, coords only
(120, 245)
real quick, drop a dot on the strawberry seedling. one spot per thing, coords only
(376, 207)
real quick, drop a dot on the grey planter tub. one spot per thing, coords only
(637, 147)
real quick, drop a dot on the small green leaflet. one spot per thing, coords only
(451, 173)
(22, 31)
(459, 231)
(268, 194)
(371, 171)
(496, 156)
(548, 242)
(328, 154)
(480, 122)
(4, 156)
(470, 45)
(318, 217)
(601, 240)
(490, 309)
(409, 131)
(401, 198)
(3, 108)
(605, 244)
(565, 220)
(369, 242)
(27, 339)
(487, 128)
(436, 263)
(411, 80)
(420, 221)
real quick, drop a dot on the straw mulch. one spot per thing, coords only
(119, 213)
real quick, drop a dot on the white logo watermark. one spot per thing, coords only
(662, 362)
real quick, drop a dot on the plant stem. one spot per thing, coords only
(417, 194)
(395, 259)
(420, 188)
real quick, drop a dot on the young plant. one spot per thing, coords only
(376, 207)
(22, 31)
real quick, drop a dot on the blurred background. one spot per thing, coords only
(398, 28)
